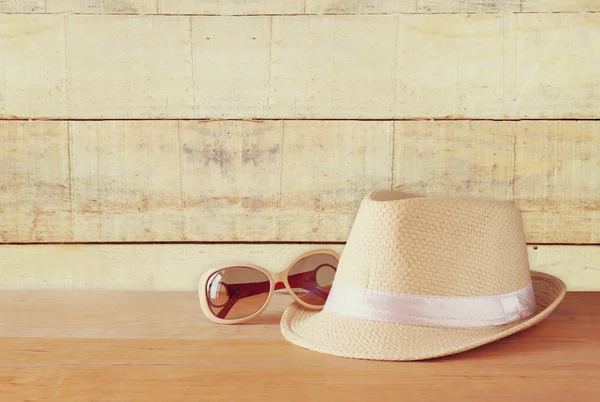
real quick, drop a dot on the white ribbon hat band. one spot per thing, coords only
(433, 311)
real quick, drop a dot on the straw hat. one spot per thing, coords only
(426, 277)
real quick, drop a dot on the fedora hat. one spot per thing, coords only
(424, 277)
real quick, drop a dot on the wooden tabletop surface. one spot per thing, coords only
(100, 346)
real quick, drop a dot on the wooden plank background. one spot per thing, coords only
(178, 267)
(438, 66)
(260, 7)
(265, 121)
(128, 181)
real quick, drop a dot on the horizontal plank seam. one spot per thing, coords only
(282, 243)
(300, 15)
(202, 119)
(105, 243)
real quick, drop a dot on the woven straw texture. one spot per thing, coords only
(425, 246)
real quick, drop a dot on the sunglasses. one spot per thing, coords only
(238, 293)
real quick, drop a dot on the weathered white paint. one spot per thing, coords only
(275, 7)
(177, 267)
(444, 66)
(106, 181)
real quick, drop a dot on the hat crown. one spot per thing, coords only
(435, 246)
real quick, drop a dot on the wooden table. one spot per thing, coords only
(96, 346)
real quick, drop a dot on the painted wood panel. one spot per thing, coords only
(125, 181)
(232, 7)
(556, 6)
(450, 6)
(22, 6)
(442, 66)
(409, 6)
(142, 68)
(231, 178)
(103, 6)
(175, 267)
(257, 180)
(35, 183)
(553, 185)
(328, 167)
(550, 169)
(112, 181)
(134, 267)
(258, 7)
(33, 66)
(455, 158)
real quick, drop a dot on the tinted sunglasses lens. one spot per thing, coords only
(311, 278)
(237, 292)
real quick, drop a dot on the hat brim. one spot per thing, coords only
(359, 338)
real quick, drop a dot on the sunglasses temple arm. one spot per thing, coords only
(240, 291)
(316, 290)
(308, 281)
(227, 307)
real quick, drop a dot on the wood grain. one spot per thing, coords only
(125, 181)
(548, 183)
(141, 315)
(159, 347)
(232, 7)
(450, 6)
(178, 267)
(458, 158)
(190, 180)
(231, 178)
(112, 181)
(102, 6)
(149, 382)
(33, 65)
(411, 6)
(242, 180)
(441, 66)
(157, 267)
(22, 6)
(281, 7)
(559, 5)
(35, 188)
(326, 166)
(578, 266)
(144, 69)
(532, 163)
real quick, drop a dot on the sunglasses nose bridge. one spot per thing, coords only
(279, 277)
